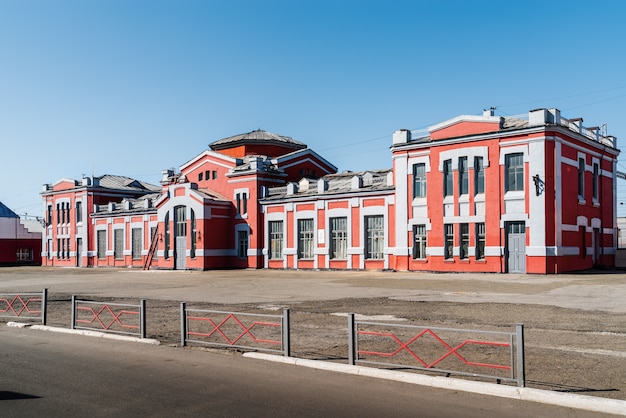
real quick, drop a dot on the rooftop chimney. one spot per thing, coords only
(403, 136)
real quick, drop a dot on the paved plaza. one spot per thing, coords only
(602, 291)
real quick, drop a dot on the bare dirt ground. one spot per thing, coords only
(569, 350)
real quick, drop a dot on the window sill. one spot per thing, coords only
(449, 261)
(420, 260)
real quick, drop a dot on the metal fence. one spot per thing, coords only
(115, 318)
(30, 306)
(446, 350)
(235, 329)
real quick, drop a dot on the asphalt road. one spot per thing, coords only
(59, 375)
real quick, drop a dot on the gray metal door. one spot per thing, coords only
(516, 247)
(180, 238)
(596, 246)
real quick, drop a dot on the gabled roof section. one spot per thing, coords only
(287, 159)
(5, 212)
(464, 125)
(225, 160)
(257, 137)
(109, 181)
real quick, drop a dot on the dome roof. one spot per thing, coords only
(257, 137)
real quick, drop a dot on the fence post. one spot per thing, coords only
(44, 304)
(142, 318)
(351, 340)
(183, 324)
(286, 333)
(73, 324)
(521, 370)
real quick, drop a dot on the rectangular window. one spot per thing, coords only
(59, 248)
(583, 242)
(514, 166)
(242, 244)
(448, 241)
(49, 222)
(207, 175)
(152, 231)
(58, 213)
(136, 242)
(419, 242)
(306, 239)
(242, 203)
(276, 239)
(480, 241)
(375, 237)
(200, 176)
(419, 180)
(596, 176)
(79, 211)
(214, 175)
(102, 244)
(479, 175)
(463, 176)
(447, 178)
(339, 238)
(464, 241)
(581, 178)
(24, 254)
(181, 221)
(118, 244)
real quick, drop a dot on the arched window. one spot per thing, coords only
(193, 234)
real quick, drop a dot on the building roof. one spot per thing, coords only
(126, 183)
(257, 137)
(5, 212)
(333, 184)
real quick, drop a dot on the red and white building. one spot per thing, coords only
(533, 193)
(20, 239)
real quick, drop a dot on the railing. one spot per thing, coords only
(19, 305)
(445, 350)
(594, 134)
(235, 329)
(109, 317)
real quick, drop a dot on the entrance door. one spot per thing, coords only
(79, 252)
(516, 247)
(180, 238)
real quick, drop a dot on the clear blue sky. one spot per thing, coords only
(135, 87)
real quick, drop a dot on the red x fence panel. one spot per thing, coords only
(109, 317)
(24, 305)
(235, 329)
(489, 354)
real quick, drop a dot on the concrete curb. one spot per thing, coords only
(88, 333)
(568, 400)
